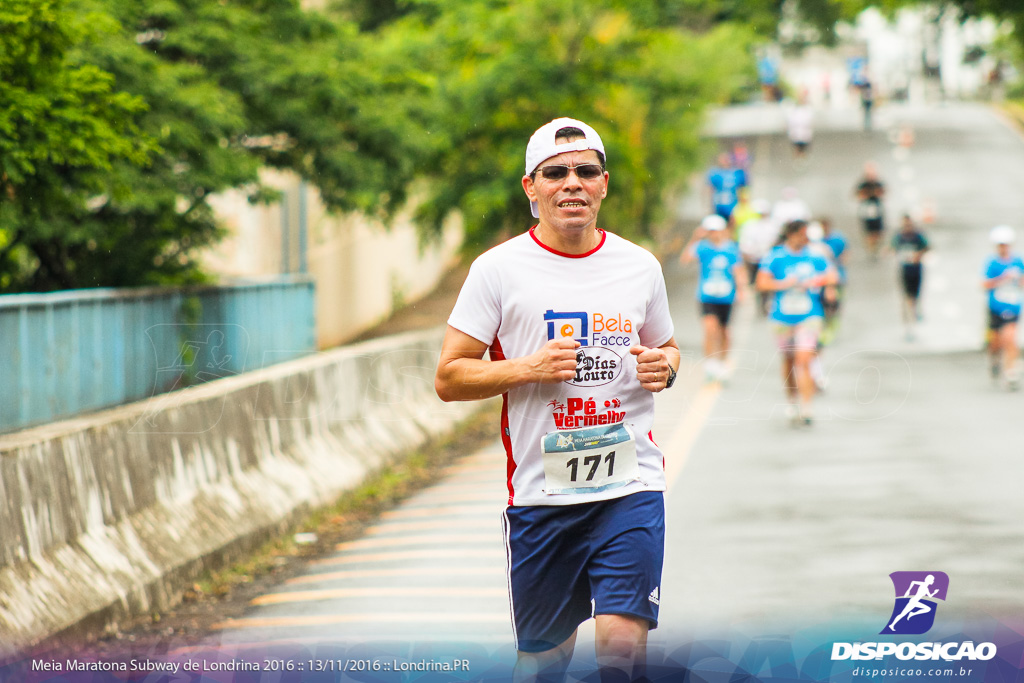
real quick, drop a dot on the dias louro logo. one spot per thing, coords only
(916, 604)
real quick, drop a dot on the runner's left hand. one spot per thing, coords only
(652, 367)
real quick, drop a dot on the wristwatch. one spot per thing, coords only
(671, 376)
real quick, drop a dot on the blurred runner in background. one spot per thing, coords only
(870, 192)
(790, 208)
(722, 282)
(837, 243)
(817, 246)
(724, 182)
(1003, 278)
(910, 245)
(800, 126)
(756, 238)
(796, 276)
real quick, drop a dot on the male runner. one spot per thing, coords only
(1004, 278)
(577, 324)
(756, 239)
(817, 246)
(724, 183)
(910, 246)
(800, 126)
(796, 276)
(867, 102)
(722, 281)
(870, 192)
(789, 207)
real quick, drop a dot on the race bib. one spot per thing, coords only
(589, 460)
(724, 198)
(717, 287)
(1007, 294)
(795, 302)
(869, 210)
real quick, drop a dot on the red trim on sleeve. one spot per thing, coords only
(650, 435)
(496, 353)
(600, 244)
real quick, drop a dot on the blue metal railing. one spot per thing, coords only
(67, 353)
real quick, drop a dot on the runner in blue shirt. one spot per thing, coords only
(1003, 279)
(724, 181)
(721, 283)
(796, 276)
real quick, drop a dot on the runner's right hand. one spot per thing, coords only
(554, 362)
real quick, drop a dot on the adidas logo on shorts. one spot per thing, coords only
(655, 596)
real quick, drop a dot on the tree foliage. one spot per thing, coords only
(501, 69)
(158, 105)
(119, 119)
(64, 127)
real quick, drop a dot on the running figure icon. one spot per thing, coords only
(917, 595)
(915, 606)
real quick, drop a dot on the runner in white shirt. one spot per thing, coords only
(577, 324)
(800, 126)
(789, 208)
(756, 239)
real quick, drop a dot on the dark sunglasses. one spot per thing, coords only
(583, 172)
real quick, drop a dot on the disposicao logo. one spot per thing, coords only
(916, 595)
(913, 614)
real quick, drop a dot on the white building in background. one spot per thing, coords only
(362, 269)
(920, 54)
(924, 41)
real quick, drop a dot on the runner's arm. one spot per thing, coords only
(991, 282)
(463, 375)
(689, 253)
(739, 273)
(828, 278)
(767, 282)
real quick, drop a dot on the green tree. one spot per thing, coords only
(501, 69)
(217, 90)
(63, 127)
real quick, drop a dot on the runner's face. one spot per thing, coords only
(569, 205)
(718, 237)
(797, 240)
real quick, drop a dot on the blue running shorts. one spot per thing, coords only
(567, 563)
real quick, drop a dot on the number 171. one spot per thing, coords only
(592, 461)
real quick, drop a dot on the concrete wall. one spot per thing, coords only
(362, 269)
(113, 514)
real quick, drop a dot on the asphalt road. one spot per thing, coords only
(914, 463)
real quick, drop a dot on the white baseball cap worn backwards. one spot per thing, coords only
(1002, 234)
(713, 223)
(542, 145)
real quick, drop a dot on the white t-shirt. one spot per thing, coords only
(757, 237)
(589, 438)
(792, 209)
(800, 123)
